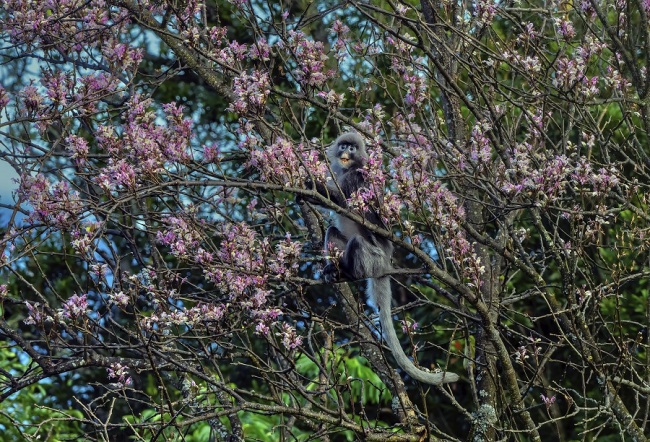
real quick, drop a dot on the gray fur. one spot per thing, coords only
(365, 255)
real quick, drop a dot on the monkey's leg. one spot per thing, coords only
(334, 238)
(363, 259)
(354, 261)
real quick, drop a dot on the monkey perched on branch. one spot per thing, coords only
(365, 254)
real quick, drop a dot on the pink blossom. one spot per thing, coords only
(120, 299)
(82, 242)
(310, 58)
(75, 307)
(120, 373)
(211, 153)
(416, 88)
(485, 10)
(480, 152)
(547, 401)
(409, 326)
(277, 163)
(217, 34)
(31, 99)
(251, 92)
(182, 237)
(290, 338)
(261, 50)
(51, 204)
(4, 98)
(79, 149)
(287, 258)
(262, 328)
(35, 313)
(565, 28)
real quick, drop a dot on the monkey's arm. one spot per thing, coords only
(330, 192)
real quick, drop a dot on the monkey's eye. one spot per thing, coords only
(352, 148)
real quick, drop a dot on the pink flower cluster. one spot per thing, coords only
(35, 313)
(548, 401)
(422, 192)
(287, 164)
(119, 299)
(87, 33)
(571, 73)
(188, 317)
(75, 307)
(416, 90)
(290, 339)
(144, 148)
(54, 205)
(555, 175)
(120, 373)
(485, 11)
(78, 148)
(310, 59)
(240, 269)
(83, 243)
(287, 255)
(251, 92)
(181, 237)
(480, 152)
(341, 32)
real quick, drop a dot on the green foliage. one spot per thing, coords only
(268, 427)
(365, 386)
(29, 413)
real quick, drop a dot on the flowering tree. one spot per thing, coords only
(162, 255)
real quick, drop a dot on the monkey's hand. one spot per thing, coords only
(331, 273)
(301, 199)
(311, 185)
(328, 191)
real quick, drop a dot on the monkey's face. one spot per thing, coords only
(348, 155)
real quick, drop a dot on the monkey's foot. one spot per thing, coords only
(330, 273)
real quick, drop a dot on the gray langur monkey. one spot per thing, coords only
(365, 254)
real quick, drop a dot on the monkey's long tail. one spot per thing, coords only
(380, 291)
